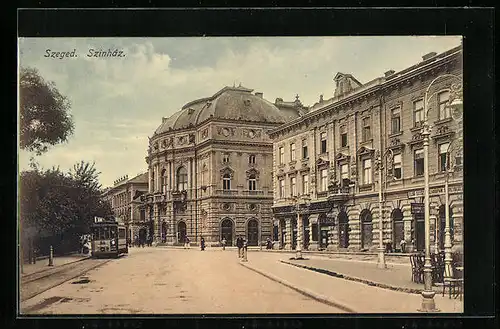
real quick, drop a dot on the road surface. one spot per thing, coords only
(173, 281)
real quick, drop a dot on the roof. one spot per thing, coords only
(141, 178)
(230, 103)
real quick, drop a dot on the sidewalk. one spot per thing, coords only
(346, 294)
(41, 265)
(395, 276)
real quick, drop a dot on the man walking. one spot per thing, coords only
(239, 244)
(223, 243)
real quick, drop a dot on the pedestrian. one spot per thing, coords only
(402, 244)
(202, 242)
(269, 244)
(187, 242)
(245, 248)
(223, 243)
(239, 244)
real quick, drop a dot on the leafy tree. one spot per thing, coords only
(61, 204)
(44, 118)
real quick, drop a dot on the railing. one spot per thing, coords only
(226, 192)
(255, 192)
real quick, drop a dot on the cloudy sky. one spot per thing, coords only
(118, 102)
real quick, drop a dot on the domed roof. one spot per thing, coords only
(231, 103)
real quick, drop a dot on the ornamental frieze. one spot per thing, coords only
(204, 133)
(251, 133)
(225, 131)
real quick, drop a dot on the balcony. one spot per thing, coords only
(338, 193)
(226, 192)
(255, 192)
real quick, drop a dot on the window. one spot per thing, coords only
(282, 188)
(367, 171)
(251, 159)
(366, 129)
(324, 180)
(305, 155)
(182, 183)
(444, 109)
(418, 113)
(323, 142)
(226, 182)
(419, 162)
(225, 158)
(292, 152)
(344, 175)
(343, 136)
(252, 183)
(305, 184)
(293, 184)
(396, 120)
(397, 166)
(282, 155)
(443, 151)
(164, 181)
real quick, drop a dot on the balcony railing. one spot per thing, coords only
(226, 192)
(254, 192)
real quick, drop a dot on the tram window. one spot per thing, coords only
(112, 233)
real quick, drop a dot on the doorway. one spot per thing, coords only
(398, 231)
(366, 229)
(227, 231)
(181, 231)
(253, 232)
(343, 230)
(419, 232)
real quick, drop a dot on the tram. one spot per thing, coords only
(109, 238)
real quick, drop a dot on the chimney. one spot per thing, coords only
(428, 56)
(163, 120)
(389, 73)
(260, 95)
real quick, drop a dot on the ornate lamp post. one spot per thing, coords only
(298, 248)
(455, 148)
(428, 304)
(379, 164)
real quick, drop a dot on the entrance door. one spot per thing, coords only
(163, 232)
(398, 230)
(142, 235)
(323, 242)
(367, 229)
(294, 234)
(181, 231)
(227, 231)
(253, 233)
(343, 230)
(420, 232)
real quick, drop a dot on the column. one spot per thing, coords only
(288, 234)
(278, 245)
(150, 187)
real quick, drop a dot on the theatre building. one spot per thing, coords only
(335, 154)
(210, 168)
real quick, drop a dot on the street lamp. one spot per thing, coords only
(298, 248)
(380, 161)
(428, 304)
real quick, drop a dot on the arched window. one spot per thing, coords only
(252, 183)
(226, 182)
(164, 181)
(182, 181)
(251, 159)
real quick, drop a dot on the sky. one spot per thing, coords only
(117, 102)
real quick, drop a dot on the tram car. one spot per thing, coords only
(109, 238)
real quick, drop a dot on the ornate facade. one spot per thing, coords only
(209, 168)
(124, 197)
(333, 154)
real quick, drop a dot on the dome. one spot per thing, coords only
(230, 103)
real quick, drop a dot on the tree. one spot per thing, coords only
(44, 118)
(61, 205)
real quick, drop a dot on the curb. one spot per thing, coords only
(52, 267)
(303, 291)
(356, 279)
